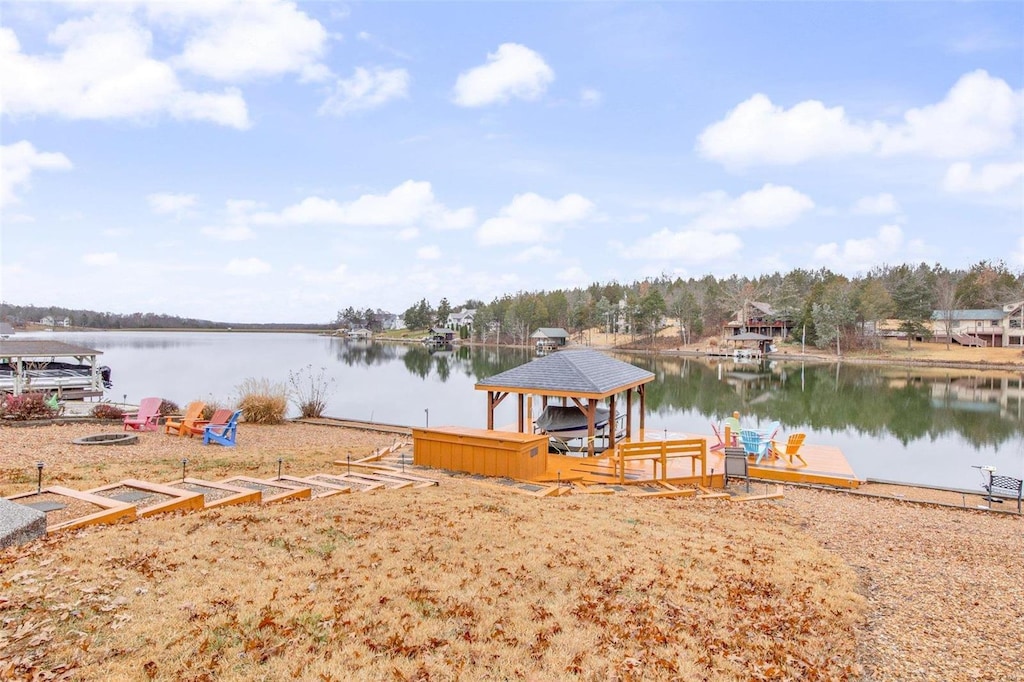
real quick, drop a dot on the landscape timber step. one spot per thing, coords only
(319, 489)
(524, 487)
(421, 481)
(357, 485)
(386, 481)
(110, 511)
(271, 491)
(777, 495)
(218, 494)
(150, 498)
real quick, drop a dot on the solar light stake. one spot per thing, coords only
(183, 463)
(427, 412)
(559, 479)
(124, 401)
(39, 481)
(348, 463)
(279, 460)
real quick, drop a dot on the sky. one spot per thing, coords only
(280, 161)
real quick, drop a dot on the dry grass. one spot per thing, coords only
(470, 582)
(440, 583)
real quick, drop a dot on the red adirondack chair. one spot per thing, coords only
(147, 418)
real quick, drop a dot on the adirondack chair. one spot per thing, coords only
(754, 444)
(791, 448)
(219, 417)
(223, 434)
(193, 415)
(733, 426)
(147, 418)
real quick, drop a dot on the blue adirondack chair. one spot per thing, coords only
(754, 443)
(223, 434)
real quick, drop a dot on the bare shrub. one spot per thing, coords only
(107, 411)
(310, 390)
(262, 401)
(28, 406)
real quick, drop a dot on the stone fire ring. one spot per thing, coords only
(108, 439)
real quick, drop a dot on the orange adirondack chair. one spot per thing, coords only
(219, 418)
(791, 448)
(193, 414)
(147, 418)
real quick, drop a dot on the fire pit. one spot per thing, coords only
(108, 439)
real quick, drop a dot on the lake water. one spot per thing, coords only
(917, 425)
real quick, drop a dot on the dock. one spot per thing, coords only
(826, 465)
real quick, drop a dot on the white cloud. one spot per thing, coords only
(857, 255)
(366, 89)
(880, 204)
(767, 207)
(168, 202)
(759, 132)
(234, 41)
(531, 218)
(573, 276)
(247, 266)
(537, 254)
(407, 234)
(991, 178)
(100, 259)
(686, 246)
(410, 203)
(514, 71)
(590, 97)
(428, 252)
(978, 116)
(105, 72)
(18, 161)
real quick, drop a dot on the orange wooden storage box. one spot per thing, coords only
(521, 456)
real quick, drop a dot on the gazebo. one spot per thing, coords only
(583, 376)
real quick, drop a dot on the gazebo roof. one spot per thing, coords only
(581, 373)
(34, 348)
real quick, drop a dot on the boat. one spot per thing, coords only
(568, 422)
(32, 365)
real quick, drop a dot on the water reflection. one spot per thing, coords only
(915, 424)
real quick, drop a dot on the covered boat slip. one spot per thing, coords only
(41, 365)
(582, 378)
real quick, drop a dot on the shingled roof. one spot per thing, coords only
(43, 348)
(585, 373)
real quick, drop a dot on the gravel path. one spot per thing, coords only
(944, 585)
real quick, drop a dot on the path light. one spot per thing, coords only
(183, 463)
(279, 460)
(39, 481)
(348, 464)
(427, 412)
(124, 401)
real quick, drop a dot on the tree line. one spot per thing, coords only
(823, 308)
(20, 315)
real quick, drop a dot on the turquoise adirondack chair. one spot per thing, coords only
(223, 434)
(754, 443)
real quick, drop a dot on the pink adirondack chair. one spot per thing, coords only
(147, 418)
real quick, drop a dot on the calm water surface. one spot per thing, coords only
(918, 425)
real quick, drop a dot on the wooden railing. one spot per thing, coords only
(660, 452)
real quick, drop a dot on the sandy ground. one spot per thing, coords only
(943, 584)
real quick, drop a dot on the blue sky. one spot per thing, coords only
(280, 161)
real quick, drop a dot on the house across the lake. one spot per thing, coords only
(996, 327)
(761, 318)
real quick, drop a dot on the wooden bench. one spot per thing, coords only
(659, 452)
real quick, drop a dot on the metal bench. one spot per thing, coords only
(1005, 487)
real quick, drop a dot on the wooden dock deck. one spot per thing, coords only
(826, 465)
